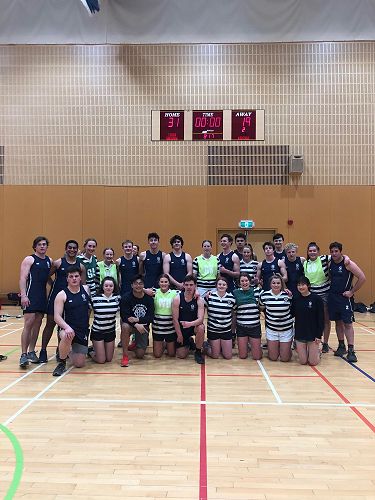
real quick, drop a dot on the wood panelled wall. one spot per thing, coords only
(112, 214)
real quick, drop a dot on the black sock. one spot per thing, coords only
(198, 350)
(350, 347)
(63, 361)
(342, 343)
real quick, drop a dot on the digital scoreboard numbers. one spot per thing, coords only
(171, 125)
(244, 125)
(207, 126)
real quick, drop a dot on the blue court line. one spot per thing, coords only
(360, 370)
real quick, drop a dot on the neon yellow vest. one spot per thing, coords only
(207, 268)
(105, 271)
(163, 302)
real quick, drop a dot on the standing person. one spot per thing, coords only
(177, 264)
(135, 250)
(294, 266)
(58, 269)
(339, 303)
(72, 307)
(270, 266)
(308, 311)
(188, 316)
(103, 331)
(137, 312)
(205, 269)
(279, 321)
(247, 319)
(240, 242)
(151, 262)
(89, 261)
(162, 325)
(278, 241)
(248, 263)
(107, 267)
(128, 266)
(34, 274)
(229, 263)
(220, 304)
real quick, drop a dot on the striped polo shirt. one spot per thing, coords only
(219, 312)
(105, 310)
(278, 316)
(247, 307)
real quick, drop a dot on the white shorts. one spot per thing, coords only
(285, 336)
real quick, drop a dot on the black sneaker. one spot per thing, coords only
(43, 356)
(59, 370)
(57, 356)
(325, 348)
(192, 345)
(351, 357)
(2, 357)
(119, 344)
(24, 361)
(341, 350)
(32, 357)
(199, 358)
(90, 351)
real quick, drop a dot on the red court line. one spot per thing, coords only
(343, 398)
(364, 324)
(203, 439)
(258, 376)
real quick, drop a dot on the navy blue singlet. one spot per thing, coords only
(36, 284)
(128, 269)
(268, 269)
(341, 278)
(295, 271)
(76, 313)
(178, 267)
(58, 284)
(153, 267)
(227, 262)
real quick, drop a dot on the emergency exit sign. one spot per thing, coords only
(246, 224)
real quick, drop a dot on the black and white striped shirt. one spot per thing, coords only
(248, 313)
(309, 268)
(105, 310)
(219, 311)
(278, 316)
(249, 267)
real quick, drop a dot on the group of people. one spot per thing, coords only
(169, 293)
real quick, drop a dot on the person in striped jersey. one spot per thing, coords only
(205, 269)
(220, 304)
(103, 331)
(162, 325)
(248, 264)
(247, 320)
(279, 321)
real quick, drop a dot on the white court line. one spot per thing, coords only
(7, 387)
(272, 387)
(198, 402)
(365, 329)
(13, 331)
(35, 398)
(8, 324)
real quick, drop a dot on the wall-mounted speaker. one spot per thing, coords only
(296, 164)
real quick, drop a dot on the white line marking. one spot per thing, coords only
(365, 329)
(9, 333)
(272, 387)
(188, 402)
(5, 326)
(23, 376)
(35, 398)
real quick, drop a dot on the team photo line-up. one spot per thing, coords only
(170, 291)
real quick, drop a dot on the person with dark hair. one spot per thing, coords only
(340, 294)
(205, 269)
(240, 242)
(270, 266)
(248, 263)
(151, 262)
(72, 308)
(177, 264)
(162, 326)
(137, 312)
(308, 311)
(58, 269)
(89, 261)
(107, 267)
(188, 316)
(34, 274)
(103, 331)
(229, 263)
(294, 266)
(135, 250)
(128, 265)
(278, 241)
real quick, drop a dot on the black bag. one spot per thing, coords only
(360, 307)
(371, 309)
(14, 297)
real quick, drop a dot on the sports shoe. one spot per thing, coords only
(43, 356)
(32, 357)
(119, 344)
(132, 346)
(351, 357)
(125, 361)
(340, 351)
(325, 348)
(59, 370)
(90, 351)
(3, 358)
(199, 358)
(192, 345)
(24, 360)
(57, 355)
(206, 346)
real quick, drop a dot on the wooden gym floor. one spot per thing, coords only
(171, 429)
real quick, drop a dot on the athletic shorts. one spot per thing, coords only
(79, 348)
(212, 335)
(285, 336)
(141, 339)
(81, 340)
(106, 336)
(340, 308)
(167, 337)
(38, 303)
(186, 334)
(254, 332)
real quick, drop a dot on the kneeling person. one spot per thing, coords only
(71, 314)
(137, 312)
(188, 315)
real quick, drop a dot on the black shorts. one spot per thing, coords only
(81, 339)
(186, 334)
(254, 332)
(340, 309)
(106, 336)
(219, 335)
(168, 337)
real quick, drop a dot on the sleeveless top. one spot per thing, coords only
(128, 269)
(227, 262)
(341, 278)
(188, 311)
(178, 266)
(318, 273)
(38, 275)
(268, 269)
(295, 271)
(105, 270)
(153, 268)
(76, 312)
(206, 271)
